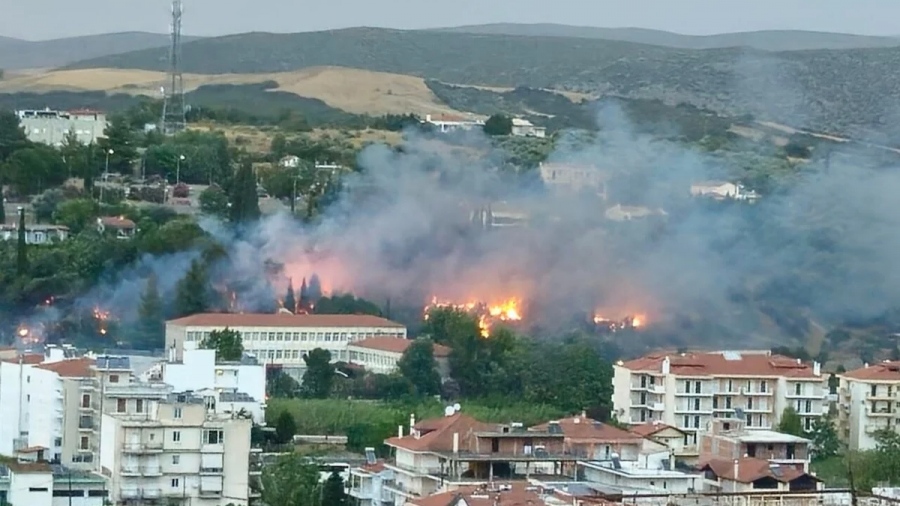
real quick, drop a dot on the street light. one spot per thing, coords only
(178, 169)
(105, 173)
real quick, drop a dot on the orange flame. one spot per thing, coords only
(487, 314)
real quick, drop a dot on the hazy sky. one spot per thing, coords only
(44, 19)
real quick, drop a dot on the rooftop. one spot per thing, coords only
(396, 345)
(650, 428)
(436, 434)
(498, 494)
(750, 469)
(116, 222)
(582, 427)
(763, 436)
(70, 368)
(113, 363)
(883, 371)
(283, 320)
(725, 363)
(27, 358)
(637, 472)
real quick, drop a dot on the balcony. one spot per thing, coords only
(872, 428)
(704, 410)
(704, 393)
(210, 470)
(212, 448)
(255, 469)
(361, 493)
(815, 395)
(151, 493)
(146, 447)
(758, 409)
(880, 412)
(657, 406)
(756, 393)
(132, 470)
(210, 493)
(657, 389)
(151, 471)
(130, 493)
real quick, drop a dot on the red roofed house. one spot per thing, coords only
(122, 228)
(867, 398)
(688, 390)
(747, 474)
(660, 433)
(515, 493)
(283, 339)
(380, 354)
(729, 439)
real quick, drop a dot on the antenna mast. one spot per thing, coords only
(173, 120)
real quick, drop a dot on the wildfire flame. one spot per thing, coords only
(487, 314)
(102, 317)
(634, 321)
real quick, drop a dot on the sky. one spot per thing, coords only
(29, 19)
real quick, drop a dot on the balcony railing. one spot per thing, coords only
(149, 446)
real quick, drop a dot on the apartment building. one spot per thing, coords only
(51, 127)
(177, 451)
(283, 339)
(366, 483)
(228, 386)
(729, 439)
(868, 400)
(689, 390)
(381, 354)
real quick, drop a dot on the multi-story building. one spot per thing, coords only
(574, 177)
(35, 233)
(747, 474)
(79, 396)
(868, 400)
(448, 123)
(729, 439)
(228, 387)
(283, 339)
(381, 354)
(51, 127)
(366, 483)
(43, 484)
(177, 450)
(689, 390)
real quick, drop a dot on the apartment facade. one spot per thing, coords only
(283, 339)
(43, 484)
(868, 399)
(177, 451)
(729, 439)
(381, 354)
(690, 390)
(229, 387)
(51, 127)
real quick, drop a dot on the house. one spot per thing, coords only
(574, 177)
(42, 484)
(450, 123)
(747, 474)
(366, 482)
(688, 390)
(35, 234)
(619, 212)
(380, 354)
(524, 128)
(653, 474)
(867, 398)
(662, 434)
(121, 228)
(290, 162)
(592, 440)
(722, 190)
(511, 493)
(729, 439)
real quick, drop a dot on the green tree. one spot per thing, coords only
(227, 344)
(345, 304)
(2, 206)
(192, 293)
(77, 214)
(281, 384)
(825, 440)
(21, 246)
(285, 427)
(244, 199)
(498, 124)
(12, 136)
(290, 302)
(291, 481)
(34, 169)
(319, 376)
(587, 382)
(151, 324)
(333, 493)
(214, 201)
(790, 422)
(119, 137)
(419, 367)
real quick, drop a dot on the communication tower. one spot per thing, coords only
(173, 120)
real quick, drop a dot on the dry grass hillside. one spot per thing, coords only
(352, 90)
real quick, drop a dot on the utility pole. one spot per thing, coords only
(105, 173)
(178, 168)
(173, 114)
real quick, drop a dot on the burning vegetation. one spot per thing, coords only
(488, 314)
(630, 322)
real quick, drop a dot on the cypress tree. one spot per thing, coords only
(192, 292)
(244, 199)
(290, 303)
(21, 254)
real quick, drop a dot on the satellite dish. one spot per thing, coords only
(457, 407)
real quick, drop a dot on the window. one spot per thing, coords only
(175, 482)
(874, 390)
(808, 407)
(279, 336)
(85, 401)
(213, 437)
(687, 422)
(68, 493)
(730, 386)
(139, 406)
(728, 403)
(176, 436)
(176, 413)
(696, 404)
(176, 459)
(98, 493)
(84, 443)
(790, 451)
(799, 387)
(121, 405)
(687, 387)
(750, 403)
(751, 450)
(697, 422)
(763, 386)
(37, 489)
(57, 441)
(807, 425)
(643, 415)
(113, 378)
(696, 387)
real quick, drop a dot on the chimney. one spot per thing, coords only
(399, 431)
(583, 414)
(799, 361)
(412, 421)
(817, 368)
(456, 442)
(666, 366)
(737, 469)
(671, 460)
(866, 365)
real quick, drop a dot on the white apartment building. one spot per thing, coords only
(447, 123)
(868, 400)
(654, 474)
(367, 482)
(282, 339)
(177, 451)
(688, 390)
(51, 127)
(381, 354)
(228, 386)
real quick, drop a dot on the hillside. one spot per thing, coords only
(352, 90)
(766, 40)
(18, 54)
(837, 91)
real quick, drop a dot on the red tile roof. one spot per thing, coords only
(283, 320)
(717, 364)
(70, 368)
(28, 358)
(751, 469)
(884, 371)
(650, 428)
(396, 345)
(517, 495)
(117, 222)
(587, 429)
(436, 434)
